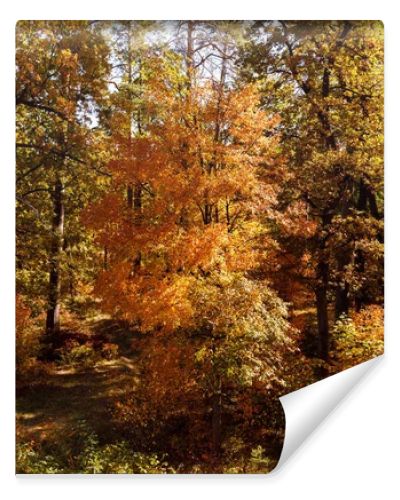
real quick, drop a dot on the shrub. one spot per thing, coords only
(109, 351)
(76, 354)
(119, 458)
(358, 338)
(30, 459)
(90, 457)
(28, 336)
(239, 459)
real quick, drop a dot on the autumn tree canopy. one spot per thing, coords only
(208, 197)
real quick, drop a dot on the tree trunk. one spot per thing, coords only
(359, 258)
(189, 55)
(344, 256)
(373, 206)
(217, 417)
(321, 295)
(129, 196)
(137, 197)
(53, 311)
(105, 258)
(342, 300)
(321, 291)
(360, 298)
(137, 207)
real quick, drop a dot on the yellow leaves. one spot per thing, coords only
(297, 222)
(370, 322)
(358, 338)
(160, 303)
(66, 106)
(65, 55)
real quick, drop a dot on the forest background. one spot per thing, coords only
(251, 257)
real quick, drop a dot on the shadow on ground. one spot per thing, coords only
(67, 395)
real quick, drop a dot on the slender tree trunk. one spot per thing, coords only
(344, 254)
(359, 258)
(321, 292)
(343, 258)
(321, 295)
(137, 207)
(323, 271)
(53, 311)
(137, 197)
(134, 190)
(207, 212)
(360, 298)
(216, 214)
(105, 258)
(189, 55)
(373, 206)
(217, 416)
(342, 298)
(129, 196)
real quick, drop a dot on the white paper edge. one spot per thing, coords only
(307, 408)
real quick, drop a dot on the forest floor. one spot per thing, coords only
(51, 409)
(72, 398)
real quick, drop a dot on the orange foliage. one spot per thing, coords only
(201, 169)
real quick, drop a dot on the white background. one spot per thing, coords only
(355, 452)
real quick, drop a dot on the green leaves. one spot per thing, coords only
(91, 458)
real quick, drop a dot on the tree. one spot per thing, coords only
(326, 80)
(203, 163)
(58, 148)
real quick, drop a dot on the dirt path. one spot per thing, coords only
(68, 396)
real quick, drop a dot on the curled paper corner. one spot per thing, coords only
(308, 407)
